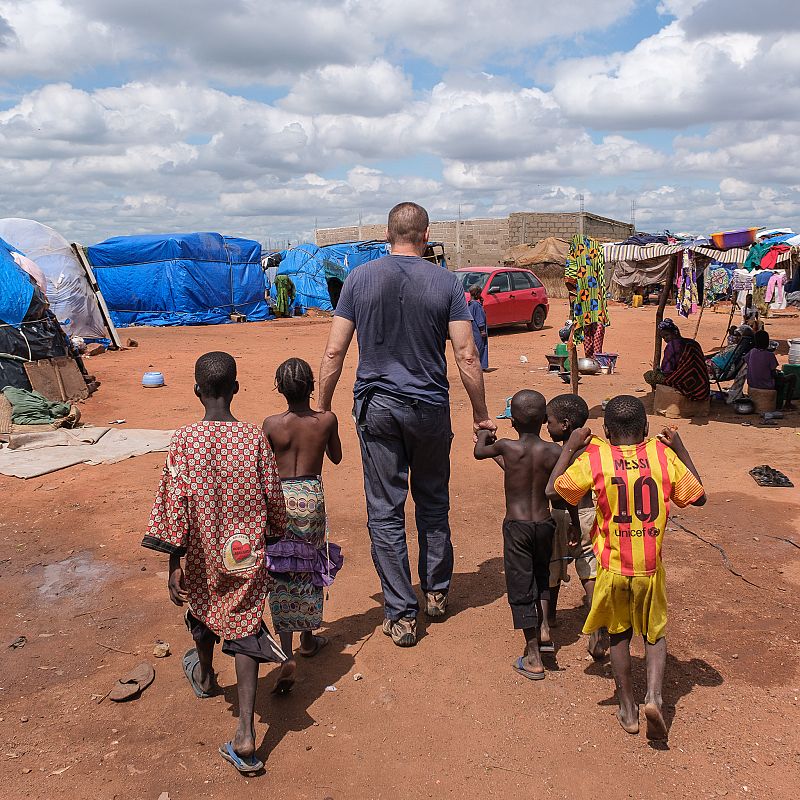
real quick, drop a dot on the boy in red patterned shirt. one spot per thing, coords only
(218, 502)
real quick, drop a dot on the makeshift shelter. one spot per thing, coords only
(546, 259)
(29, 331)
(69, 290)
(180, 279)
(319, 272)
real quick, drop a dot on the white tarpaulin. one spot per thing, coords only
(68, 291)
(49, 451)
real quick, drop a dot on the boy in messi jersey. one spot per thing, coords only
(634, 479)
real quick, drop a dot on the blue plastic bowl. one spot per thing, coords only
(152, 380)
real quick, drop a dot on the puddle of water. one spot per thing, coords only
(73, 577)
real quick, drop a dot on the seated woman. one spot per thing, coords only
(740, 343)
(683, 365)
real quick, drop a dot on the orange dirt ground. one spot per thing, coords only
(448, 718)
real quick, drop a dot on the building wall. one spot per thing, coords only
(485, 241)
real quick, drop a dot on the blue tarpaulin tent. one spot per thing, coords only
(310, 267)
(16, 289)
(180, 279)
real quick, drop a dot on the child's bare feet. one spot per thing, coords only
(596, 646)
(656, 727)
(285, 681)
(629, 719)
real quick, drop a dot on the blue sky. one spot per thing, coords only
(257, 118)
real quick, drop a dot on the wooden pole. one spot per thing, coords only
(697, 327)
(662, 304)
(734, 306)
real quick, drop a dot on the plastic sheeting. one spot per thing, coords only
(180, 279)
(71, 298)
(310, 266)
(16, 288)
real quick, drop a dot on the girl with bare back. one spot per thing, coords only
(303, 562)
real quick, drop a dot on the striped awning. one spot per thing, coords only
(638, 252)
(736, 255)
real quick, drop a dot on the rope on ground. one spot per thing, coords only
(725, 560)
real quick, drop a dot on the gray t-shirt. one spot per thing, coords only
(401, 306)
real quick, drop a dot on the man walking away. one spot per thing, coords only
(403, 308)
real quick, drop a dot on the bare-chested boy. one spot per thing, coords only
(573, 540)
(303, 562)
(528, 526)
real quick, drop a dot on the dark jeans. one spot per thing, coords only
(527, 550)
(397, 436)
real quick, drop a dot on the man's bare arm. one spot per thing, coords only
(333, 359)
(469, 368)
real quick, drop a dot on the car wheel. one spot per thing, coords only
(537, 319)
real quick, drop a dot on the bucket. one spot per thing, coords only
(152, 380)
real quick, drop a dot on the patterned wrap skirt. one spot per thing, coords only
(295, 600)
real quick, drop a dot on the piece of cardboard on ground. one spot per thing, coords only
(57, 379)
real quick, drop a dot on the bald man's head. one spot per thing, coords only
(408, 225)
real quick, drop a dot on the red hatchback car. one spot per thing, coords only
(510, 295)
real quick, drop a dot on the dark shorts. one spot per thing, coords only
(527, 550)
(259, 646)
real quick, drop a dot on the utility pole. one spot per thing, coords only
(633, 215)
(360, 234)
(458, 239)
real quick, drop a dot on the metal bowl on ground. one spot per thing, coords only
(588, 366)
(744, 405)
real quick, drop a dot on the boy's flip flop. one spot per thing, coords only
(319, 643)
(547, 647)
(531, 676)
(133, 684)
(232, 757)
(190, 661)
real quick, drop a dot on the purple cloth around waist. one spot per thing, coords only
(292, 555)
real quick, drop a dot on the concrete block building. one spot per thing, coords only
(474, 242)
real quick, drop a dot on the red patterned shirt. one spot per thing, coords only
(219, 499)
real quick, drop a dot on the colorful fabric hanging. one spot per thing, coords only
(586, 268)
(718, 282)
(687, 286)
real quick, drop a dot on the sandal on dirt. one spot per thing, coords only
(133, 684)
(531, 676)
(190, 661)
(319, 643)
(232, 757)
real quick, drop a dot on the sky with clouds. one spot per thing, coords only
(266, 117)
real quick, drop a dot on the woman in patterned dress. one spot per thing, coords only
(303, 562)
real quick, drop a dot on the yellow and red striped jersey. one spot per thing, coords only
(633, 485)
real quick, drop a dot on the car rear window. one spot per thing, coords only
(520, 280)
(501, 282)
(470, 278)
